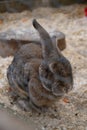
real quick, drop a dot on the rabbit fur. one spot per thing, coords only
(39, 75)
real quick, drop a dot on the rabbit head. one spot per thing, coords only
(55, 70)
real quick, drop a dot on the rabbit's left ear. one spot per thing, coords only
(60, 41)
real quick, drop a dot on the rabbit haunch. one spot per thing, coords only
(40, 74)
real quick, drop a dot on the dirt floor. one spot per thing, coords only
(63, 115)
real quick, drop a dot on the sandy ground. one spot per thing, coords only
(71, 115)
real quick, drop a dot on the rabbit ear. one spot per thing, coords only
(46, 40)
(61, 42)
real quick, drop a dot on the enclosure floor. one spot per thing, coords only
(71, 115)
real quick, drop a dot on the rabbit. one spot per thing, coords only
(39, 75)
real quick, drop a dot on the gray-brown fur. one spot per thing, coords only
(40, 74)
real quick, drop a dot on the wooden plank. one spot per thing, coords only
(8, 121)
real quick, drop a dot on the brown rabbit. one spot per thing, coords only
(40, 75)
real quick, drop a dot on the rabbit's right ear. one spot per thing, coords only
(46, 40)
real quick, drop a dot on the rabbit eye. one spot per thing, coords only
(53, 67)
(61, 69)
(45, 72)
(62, 72)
